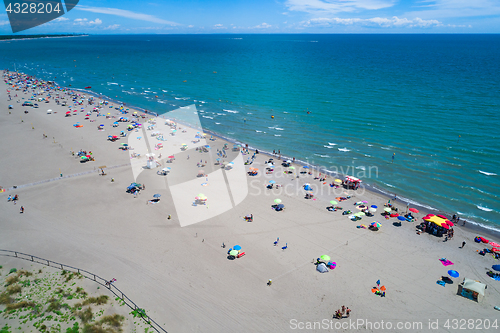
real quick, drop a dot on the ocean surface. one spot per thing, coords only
(432, 100)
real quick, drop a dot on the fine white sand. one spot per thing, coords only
(181, 274)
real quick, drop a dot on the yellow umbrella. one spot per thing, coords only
(338, 181)
(436, 220)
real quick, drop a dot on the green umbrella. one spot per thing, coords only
(278, 201)
(325, 257)
(291, 168)
(387, 209)
(333, 202)
(359, 214)
(233, 253)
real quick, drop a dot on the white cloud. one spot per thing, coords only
(85, 21)
(457, 8)
(4, 22)
(263, 25)
(112, 27)
(219, 26)
(60, 19)
(383, 22)
(125, 13)
(190, 26)
(336, 6)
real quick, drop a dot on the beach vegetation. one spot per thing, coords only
(19, 305)
(85, 315)
(12, 270)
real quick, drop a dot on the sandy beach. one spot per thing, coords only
(180, 273)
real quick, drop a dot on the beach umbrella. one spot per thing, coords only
(277, 201)
(325, 257)
(387, 209)
(233, 253)
(413, 210)
(281, 206)
(166, 169)
(365, 202)
(496, 267)
(237, 247)
(383, 288)
(157, 195)
(202, 196)
(401, 218)
(442, 216)
(291, 168)
(124, 144)
(448, 222)
(305, 167)
(171, 156)
(101, 125)
(373, 206)
(453, 273)
(372, 210)
(338, 181)
(201, 172)
(359, 214)
(444, 225)
(333, 202)
(272, 181)
(494, 244)
(376, 224)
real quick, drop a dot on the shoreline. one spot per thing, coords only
(470, 225)
(90, 221)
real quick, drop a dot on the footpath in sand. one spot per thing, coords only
(180, 273)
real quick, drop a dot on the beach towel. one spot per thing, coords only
(441, 283)
(496, 278)
(445, 262)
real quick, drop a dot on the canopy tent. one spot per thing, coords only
(436, 220)
(353, 179)
(472, 289)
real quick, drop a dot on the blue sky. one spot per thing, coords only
(273, 16)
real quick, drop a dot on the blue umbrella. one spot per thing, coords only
(453, 273)
(496, 267)
(401, 218)
(237, 247)
(281, 206)
(305, 167)
(308, 188)
(373, 206)
(272, 181)
(156, 195)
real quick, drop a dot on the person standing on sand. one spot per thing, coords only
(348, 312)
(269, 283)
(463, 244)
(22, 209)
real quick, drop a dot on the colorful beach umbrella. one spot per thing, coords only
(376, 224)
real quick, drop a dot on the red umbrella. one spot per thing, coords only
(444, 225)
(171, 156)
(443, 217)
(413, 210)
(448, 222)
(68, 112)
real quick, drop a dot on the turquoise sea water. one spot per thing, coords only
(433, 100)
